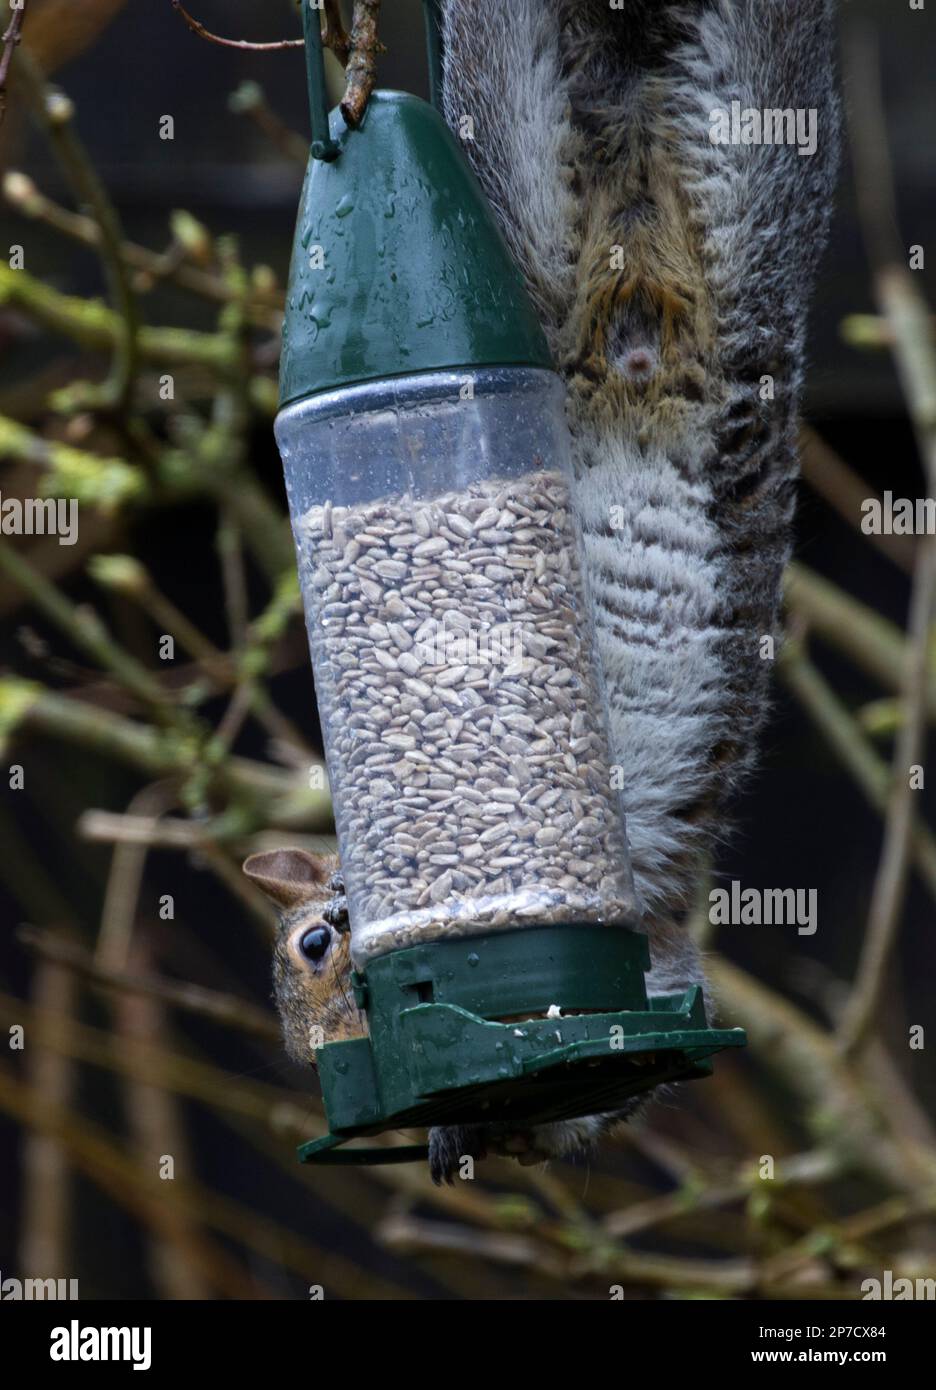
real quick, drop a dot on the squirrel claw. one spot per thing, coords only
(335, 911)
(448, 1145)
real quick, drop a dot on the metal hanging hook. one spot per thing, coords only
(322, 146)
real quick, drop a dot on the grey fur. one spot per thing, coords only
(591, 130)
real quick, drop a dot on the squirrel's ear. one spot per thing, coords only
(289, 876)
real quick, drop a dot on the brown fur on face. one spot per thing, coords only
(313, 998)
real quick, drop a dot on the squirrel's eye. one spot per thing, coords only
(314, 943)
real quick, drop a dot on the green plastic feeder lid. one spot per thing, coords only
(398, 263)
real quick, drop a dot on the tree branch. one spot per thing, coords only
(55, 113)
(265, 306)
(262, 794)
(187, 998)
(198, 28)
(851, 746)
(361, 71)
(10, 39)
(908, 318)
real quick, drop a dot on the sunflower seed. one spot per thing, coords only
(466, 739)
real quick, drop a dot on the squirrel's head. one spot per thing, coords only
(312, 953)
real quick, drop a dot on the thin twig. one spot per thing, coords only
(235, 715)
(871, 331)
(230, 549)
(851, 746)
(249, 100)
(46, 1204)
(125, 881)
(188, 998)
(264, 794)
(878, 1065)
(413, 1235)
(333, 34)
(890, 882)
(142, 1191)
(228, 871)
(121, 1180)
(809, 1169)
(895, 1211)
(903, 308)
(410, 1235)
(158, 832)
(871, 641)
(20, 191)
(868, 143)
(276, 1108)
(10, 39)
(55, 113)
(93, 325)
(84, 627)
(157, 1123)
(844, 490)
(172, 832)
(845, 1116)
(203, 33)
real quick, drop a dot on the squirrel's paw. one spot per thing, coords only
(449, 1145)
(335, 911)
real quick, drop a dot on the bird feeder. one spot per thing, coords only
(495, 935)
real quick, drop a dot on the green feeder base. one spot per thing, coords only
(452, 1040)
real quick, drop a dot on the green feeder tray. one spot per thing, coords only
(440, 1052)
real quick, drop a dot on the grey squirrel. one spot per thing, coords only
(671, 272)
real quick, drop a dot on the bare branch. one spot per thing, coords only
(249, 100)
(10, 39)
(333, 34)
(266, 306)
(840, 486)
(908, 319)
(228, 1009)
(362, 64)
(851, 746)
(865, 636)
(54, 113)
(203, 33)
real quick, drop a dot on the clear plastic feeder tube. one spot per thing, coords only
(452, 644)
